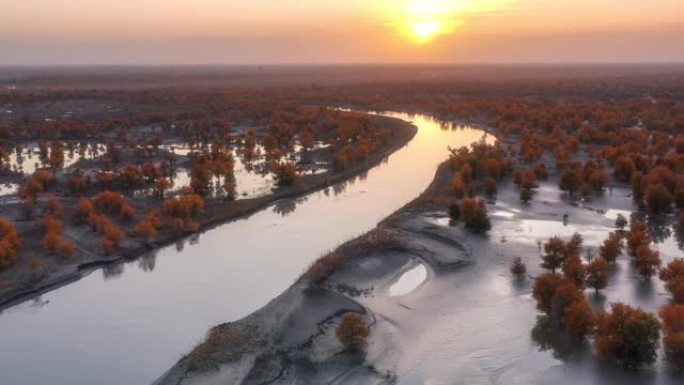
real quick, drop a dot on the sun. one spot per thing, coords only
(425, 31)
(425, 20)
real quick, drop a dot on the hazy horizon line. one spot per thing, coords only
(335, 64)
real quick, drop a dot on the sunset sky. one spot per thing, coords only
(339, 31)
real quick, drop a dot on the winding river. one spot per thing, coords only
(129, 323)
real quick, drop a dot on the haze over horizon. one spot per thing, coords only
(149, 32)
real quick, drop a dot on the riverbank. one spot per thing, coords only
(216, 212)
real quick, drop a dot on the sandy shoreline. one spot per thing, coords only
(215, 214)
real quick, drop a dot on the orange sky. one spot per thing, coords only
(335, 31)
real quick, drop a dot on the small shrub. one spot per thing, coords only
(526, 195)
(353, 333)
(454, 211)
(474, 214)
(518, 268)
(83, 209)
(322, 268)
(127, 212)
(285, 174)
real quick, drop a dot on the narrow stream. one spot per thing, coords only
(129, 323)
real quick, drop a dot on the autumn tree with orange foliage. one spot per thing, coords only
(673, 330)
(578, 319)
(612, 247)
(597, 274)
(127, 212)
(627, 335)
(82, 210)
(526, 180)
(147, 228)
(40, 181)
(623, 169)
(54, 241)
(466, 173)
(78, 182)
(474, 215)
(574, 270)
(110, 201)
(637, 236)
(201, 175)
(553, 292)
(9, 244)
(161, 185)
(570, 181)
(658, 199)
(647, 261)
(35, 267)
(184, 206)
(112, 238)
(556, 251)
(481, 164)
(458, 187)
(285, 173)
(98, 222)
(673, 277)
(53, 207)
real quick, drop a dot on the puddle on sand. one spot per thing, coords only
(503, 214)
(613, 214)
(409, 281)
(8, 189)
(533, 230)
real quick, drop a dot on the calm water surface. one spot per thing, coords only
(128, 324)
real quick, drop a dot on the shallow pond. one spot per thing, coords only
(28, 160)
(253, 177)
(129, 323)
(409, 281)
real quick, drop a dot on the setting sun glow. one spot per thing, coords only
(426, 30)
(338, 31)
(424, 21)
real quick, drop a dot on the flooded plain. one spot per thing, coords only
(477, 325)
(129, 323)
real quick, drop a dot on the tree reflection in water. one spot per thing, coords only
(659, 229)
(113, 271)
(285, 207)
(547, 336)
(679, 236)
(180, 244)
(645, 290)
(194, 239)
(39, 302)
(148, 261)
(597, 301)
